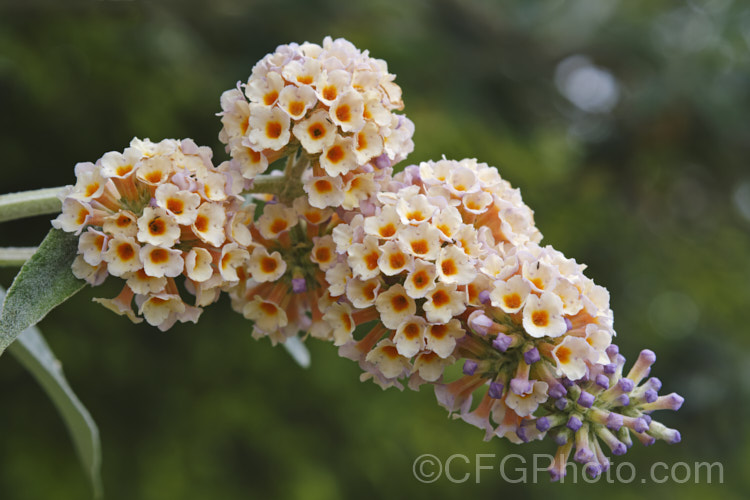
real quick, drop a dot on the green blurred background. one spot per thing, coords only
(625, 124)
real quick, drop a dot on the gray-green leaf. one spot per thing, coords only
(44, 282)
(34, 354)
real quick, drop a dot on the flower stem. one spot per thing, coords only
(267, 184)
(29, 203)
(285, 187)
(15, 256)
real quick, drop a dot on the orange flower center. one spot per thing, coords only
(157, 227)
(335, 154)
(125, 251)
(344, 113)
(420, 247)
(316, 130)
(440, 298)
(397, 260)
(176, 206)
(449, 267)
(273, 130)
(268, 264)
(270, 98)
(540, 318)
(201, 223)
(388, 230)
(563, 354)
(399, 303)
(278, 226)
(512, 301)
(159, 256)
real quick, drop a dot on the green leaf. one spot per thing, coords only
(34, 354)
(15, 256)
(30, 203)
(44, 282)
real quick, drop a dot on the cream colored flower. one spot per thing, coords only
(277, 218)
(122, 256)
(421, 280)
(395, 306)
(510, 295)
(409, 338)
(198, 264)
(543, 316)
(160, 261)
(157, 227)
(315, 133)
(393, 260)
(266, 267)
(526, 404)
(443, 303)
(209, 223)
(386, 358)
(454, 266)
(268, 128)
(441, 338)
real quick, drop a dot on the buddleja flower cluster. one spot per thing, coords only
(408, 274)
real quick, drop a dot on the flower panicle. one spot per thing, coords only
(440, 264)
(162, 218)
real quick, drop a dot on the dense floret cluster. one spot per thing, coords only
(309, 231)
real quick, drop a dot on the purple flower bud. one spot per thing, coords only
(647, 356)
(560, 438)
(480, 323)
(542, 424)
(602, 381)
(640, 425)
(567, 382)
(586, 399)
(609, 368)
(647, 418)
(619, 448)
(521, 433)
(568, 324)
(557, 391)
(181, 180)
(592, 469)
(674, 438)
(561, 404)
(484, 297)
(647, 440)
(470, 366)
(496, 390)
(152, 203)
(382, 161)
(623, 400)
(625, 385)
(531, 356)
(555, 474)
(674, 401)
(574, 423)
(650, 396)
(299, 285)
(502, 342)
(413, 172)
(583, 455)
(612, 350)
(614, 421)
(642, 366)
(521, 386)
(654, 383)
